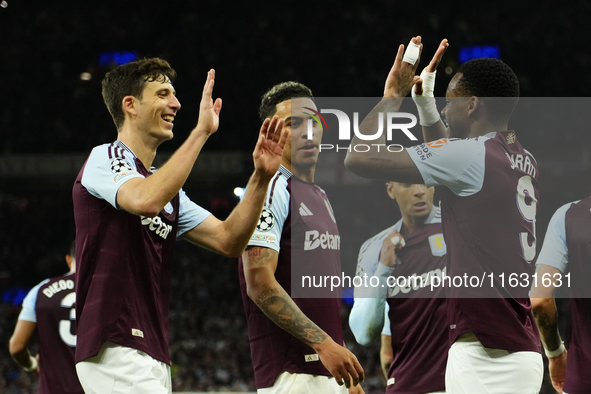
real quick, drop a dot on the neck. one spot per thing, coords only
(306, 173)
(412, 223)
(479, 129)
(141, 144)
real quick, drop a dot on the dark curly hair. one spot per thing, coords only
(493, 79)
(280, 93)
(129, 80)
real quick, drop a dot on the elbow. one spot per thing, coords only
(358, 163)
(15, 347)
(147, 209)
(352, 162)
(231, 249)
(540, 305)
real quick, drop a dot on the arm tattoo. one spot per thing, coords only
(548, 327)
(280, 308)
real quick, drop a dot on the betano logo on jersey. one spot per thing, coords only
(313, 239)
(157, 225)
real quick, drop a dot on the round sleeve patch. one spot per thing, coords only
(266, 221)
(120, 165)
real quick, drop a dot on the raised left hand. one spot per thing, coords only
(401, 77)
(269, 148)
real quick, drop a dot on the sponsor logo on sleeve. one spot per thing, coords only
(438, 143)
(264, 238)
(437, 243)
(266, 221)
(168, 208)
(423, 151)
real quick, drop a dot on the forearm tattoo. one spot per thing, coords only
(280, 308)
(548, 327)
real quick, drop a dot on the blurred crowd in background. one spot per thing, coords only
(51, 104)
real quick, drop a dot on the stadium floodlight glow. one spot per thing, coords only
(108, 59)
(85, 76)
(239, 191)
(476, 51)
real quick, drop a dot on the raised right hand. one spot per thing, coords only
(209, 111)
(340, 362)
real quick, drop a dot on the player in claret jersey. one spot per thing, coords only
(128, 217)
(489, 206)
(566, 250)
(414, 334)
(49, 309)
(296, 344)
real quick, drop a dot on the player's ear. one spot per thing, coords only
(474, 104)
(69, 261)
(129, 105)
(390, 190)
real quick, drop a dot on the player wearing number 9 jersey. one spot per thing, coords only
(488, 209)
(49, 308)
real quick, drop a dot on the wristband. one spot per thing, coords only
(428, 113)
(34, 364)
(555, 353)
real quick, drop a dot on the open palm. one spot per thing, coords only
(269, 148)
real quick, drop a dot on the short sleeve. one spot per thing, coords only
(270, 226)
(190, 214)
(455, 163)
(387, 330)
(554, 252)
(104, 173)
(28, 312)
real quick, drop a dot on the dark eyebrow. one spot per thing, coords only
(290, 118)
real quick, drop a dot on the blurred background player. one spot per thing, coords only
(296, 344)
(490, 199)
(128, 217)
(414, 338)
(49, 309)
(566, 249)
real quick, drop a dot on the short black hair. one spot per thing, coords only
(487, 77)
(280, 93)
(129, 80)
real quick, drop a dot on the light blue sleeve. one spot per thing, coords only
(103, 176)
(190, 214)
(367, 319)
(555, 251)
(455, 163)
(28, 312)
(387, 330)
(270, 226)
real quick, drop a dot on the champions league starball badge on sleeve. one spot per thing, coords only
(266, 221)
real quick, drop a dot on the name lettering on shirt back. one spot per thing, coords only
(523, 162)
(58, 286)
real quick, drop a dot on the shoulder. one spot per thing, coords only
(379, 237)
